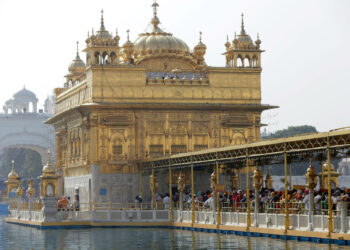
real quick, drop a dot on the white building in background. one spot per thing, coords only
(22, 124)
(344, 167)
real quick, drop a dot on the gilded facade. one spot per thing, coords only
(149, 98)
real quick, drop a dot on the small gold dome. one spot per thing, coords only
(77, 66)
(48, 168)
(13, 174)
(325, 167)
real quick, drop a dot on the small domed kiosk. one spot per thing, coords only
(13, 180)
(48, 185)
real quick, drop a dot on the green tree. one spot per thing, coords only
(27, 162)
(291, 131)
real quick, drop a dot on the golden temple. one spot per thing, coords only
(150, 98)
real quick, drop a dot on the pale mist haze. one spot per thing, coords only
(305, 67)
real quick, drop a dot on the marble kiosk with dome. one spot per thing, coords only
(22, 123)
(151, 97)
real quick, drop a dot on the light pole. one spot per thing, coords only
(154, 186)
(213, 187)
(258, 181)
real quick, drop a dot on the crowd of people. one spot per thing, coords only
(64, 204)
(269, 200)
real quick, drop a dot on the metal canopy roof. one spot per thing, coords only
(338, 139)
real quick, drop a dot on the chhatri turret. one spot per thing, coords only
(199, 51)
(49, 185)
(13, 180)
(243, 52)
(76, 69)
(128, 50)
(102, 48)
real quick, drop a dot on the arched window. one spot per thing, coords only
(105, 58)
(246, 62)
(239, 62)
(97, 58)
(113, 58)
(255, 62)
(30, 107)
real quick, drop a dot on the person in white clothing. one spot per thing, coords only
(166, 201)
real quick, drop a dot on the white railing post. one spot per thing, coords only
(123, 215)
(30, 207)
(311, 210)
(154, 215)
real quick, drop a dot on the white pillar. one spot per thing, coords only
(343, 216)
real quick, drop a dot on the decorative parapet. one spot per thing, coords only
(177, 78)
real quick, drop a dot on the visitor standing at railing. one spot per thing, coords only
(166, 201)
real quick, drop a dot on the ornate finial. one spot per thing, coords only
(155, 20)
(92, 31)
(77, 57)
(102, 22)
(155, 5)
(258, 41)
(227, 44)
(88, 34)
(242, 26)
(116, 32)
(49, 157)
(13, 165)
(235, 35)
(200, 36)
(128, 31)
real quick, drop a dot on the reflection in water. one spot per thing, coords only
(172, 240)
(219, 241)
(193, 240)
(19, 237)
(249, 243)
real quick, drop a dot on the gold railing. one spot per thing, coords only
(37, 205)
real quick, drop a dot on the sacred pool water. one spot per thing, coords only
(21, 237)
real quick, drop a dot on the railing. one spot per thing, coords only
(176, 78)
(37, 206)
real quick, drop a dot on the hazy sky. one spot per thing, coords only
(306, 67)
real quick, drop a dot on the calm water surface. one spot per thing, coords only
(19, 237)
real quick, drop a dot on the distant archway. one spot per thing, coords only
(37, 142)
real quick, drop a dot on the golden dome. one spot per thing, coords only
(325, 167)
(157, 42)
(77, 66)
(13, 174)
